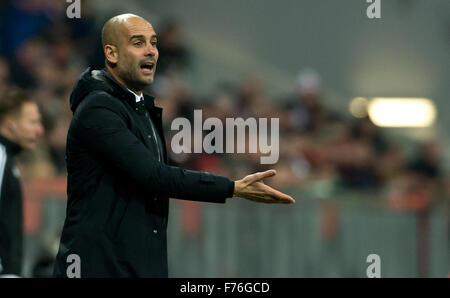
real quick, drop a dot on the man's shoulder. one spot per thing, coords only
(99, 108)
(101, 100)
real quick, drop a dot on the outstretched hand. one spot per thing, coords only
(252, 188)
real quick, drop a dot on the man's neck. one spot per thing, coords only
(118, 79)
(136, 93)
(14, 147)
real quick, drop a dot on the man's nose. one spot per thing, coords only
(40, 130)
(150, 50)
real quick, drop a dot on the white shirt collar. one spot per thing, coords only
(138, 98)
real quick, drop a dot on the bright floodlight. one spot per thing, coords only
(402, 112)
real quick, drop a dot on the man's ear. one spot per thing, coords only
(9, 123)
(111, 54)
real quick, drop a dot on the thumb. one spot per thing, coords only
(262, 175)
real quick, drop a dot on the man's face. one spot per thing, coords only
(26, 126)
(137, 54)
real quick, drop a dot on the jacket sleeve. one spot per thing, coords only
(102, 129)
(3, 160)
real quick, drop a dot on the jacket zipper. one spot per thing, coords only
(154, 135)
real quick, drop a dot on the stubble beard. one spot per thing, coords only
(133, 80)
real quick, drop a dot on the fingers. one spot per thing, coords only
(284, 198)
(280, 197)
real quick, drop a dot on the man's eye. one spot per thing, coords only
(139, 43)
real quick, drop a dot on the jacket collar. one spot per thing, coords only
(12, 148)
(129, 97)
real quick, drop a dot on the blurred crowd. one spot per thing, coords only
(320, 150)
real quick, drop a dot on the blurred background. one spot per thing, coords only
(364, 183)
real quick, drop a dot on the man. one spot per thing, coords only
(119, 183)
(20, 128)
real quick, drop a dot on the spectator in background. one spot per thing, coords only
(20, 128)
(363, 149)
(250, 101)
(427, 164)
(306, 112)
(421, 180)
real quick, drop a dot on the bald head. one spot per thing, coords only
(115, 29)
